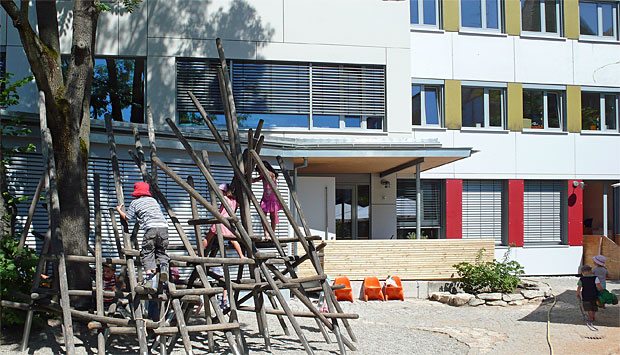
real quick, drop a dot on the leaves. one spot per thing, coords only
(490, 276)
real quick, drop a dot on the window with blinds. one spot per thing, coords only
(286, 88)
(406, 206)
(542, 212)
(482, 209)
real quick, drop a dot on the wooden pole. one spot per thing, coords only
(151, 133)
(99, 264)
(31, 210)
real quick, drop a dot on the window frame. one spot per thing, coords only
(421, 23)
(603, 127)
(562, 111)
(559, 16)
(483, 18)
(599, 19)
(429, 186)
(486, 101)
(440, 104)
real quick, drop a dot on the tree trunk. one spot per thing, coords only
(137, 93)
(115, 99)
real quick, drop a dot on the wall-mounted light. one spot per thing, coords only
(578, 184)
(385, 183)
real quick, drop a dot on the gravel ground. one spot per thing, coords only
(410, 327)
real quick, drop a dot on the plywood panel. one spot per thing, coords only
(593, 245)
(408, 259)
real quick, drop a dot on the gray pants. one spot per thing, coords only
(154, 244)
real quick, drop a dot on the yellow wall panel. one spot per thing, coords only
(571, 19)
(515, 107)
(451, 15)
(573, 109)
(513, 17)
(453, 104)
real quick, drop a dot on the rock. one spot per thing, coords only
(548, 291)
(496, 303)
(536, 300)
(530, 285)
(442, 297)
(512, 297)
(529, 294)
(496, 296)
(460, 299)
(516, 303)
(475, 302)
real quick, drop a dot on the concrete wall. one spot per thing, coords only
(545, 259)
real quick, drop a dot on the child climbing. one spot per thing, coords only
(269, 203)
(232, 202)
(587, 290)
(155, 241)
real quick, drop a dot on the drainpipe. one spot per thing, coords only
(305, 164)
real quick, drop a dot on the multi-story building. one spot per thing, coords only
(508, 108)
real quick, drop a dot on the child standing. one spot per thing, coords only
(155, 241)
(109, 283)
(599, 270)
(232, 202)
(269, 203)
(587, 289)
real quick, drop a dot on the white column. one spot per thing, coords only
(605, 209)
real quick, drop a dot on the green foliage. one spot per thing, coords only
(412, 235)
(590, 117)
(490, 276)
(17, 267)
(129, 5)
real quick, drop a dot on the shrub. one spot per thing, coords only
(490, 276)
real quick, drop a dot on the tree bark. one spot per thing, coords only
(137, 93)
(115, 99)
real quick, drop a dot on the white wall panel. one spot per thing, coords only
(494, 158)
(317, 196)
(398, 89)
(431, 55)
(132, 29)
(199, 48)
(227, 19)
(107, 29)
(543, 61)
(488, 58)
(596, 156)
(382, 207)
(160, 87)
(541, 154)
(597, 64)
(545, 260)
(347, 22)
(320, 53)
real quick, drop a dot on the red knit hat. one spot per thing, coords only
(141, 189)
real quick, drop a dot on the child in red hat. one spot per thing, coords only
(155, 241)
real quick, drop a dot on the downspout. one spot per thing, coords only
(304, 165)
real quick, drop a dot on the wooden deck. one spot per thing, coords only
(430, 259)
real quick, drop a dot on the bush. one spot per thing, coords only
(17, 267)
(490, 276)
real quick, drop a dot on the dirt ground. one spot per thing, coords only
(411, 327)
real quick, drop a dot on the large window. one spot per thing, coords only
(599, 111)
(482, 107)
(482, 14)
(426, 105)
(542, 109)
(406, 208)
(482, 209)
(541, 16)
(543, 212)
(424, 12)
(599, 19)
(286, 94)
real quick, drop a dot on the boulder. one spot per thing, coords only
(496, 296)
(527, 284)
(516, 303)
(475, 302)
(512, 297)
(547, 291)
(529, 294)
(496, 303)
(460, 299)
(442, 297)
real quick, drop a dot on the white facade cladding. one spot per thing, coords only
(357, 88)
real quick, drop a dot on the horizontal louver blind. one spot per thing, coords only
(199, 77)
(406, 203)
(482, 209)
(542, 210)
(26, 169)
(271, 87)
(348, 90)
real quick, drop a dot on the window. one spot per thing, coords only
(406, 208)
(599, 111)
(482, 209)
(482, 107)
(286, 94)
(542, 109)
(540, 16)
(599, 19)
(426, 105)
(542, 212)
(424, 12)
(482, 14)
(117, 88)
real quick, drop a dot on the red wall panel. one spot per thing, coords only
(515, 212)
(454, 209)
(575, 214)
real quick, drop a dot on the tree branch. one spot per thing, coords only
(23, 8)
(48, 25)
(11, 8)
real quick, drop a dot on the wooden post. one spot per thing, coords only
(151, 133)
(31, 210)
(99, 265)
(52, 193)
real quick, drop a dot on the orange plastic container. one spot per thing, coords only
(346, 293)
(372, 289)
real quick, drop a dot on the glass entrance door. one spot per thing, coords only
(352, 211)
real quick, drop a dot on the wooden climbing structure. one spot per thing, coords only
(260, 292)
